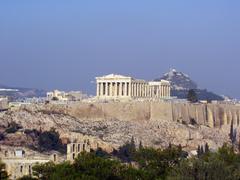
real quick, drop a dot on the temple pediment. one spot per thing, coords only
(114, 76)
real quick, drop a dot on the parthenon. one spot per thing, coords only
(118, 86)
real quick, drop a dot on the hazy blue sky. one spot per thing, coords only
(64, 44)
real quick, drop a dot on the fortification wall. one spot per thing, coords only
(212, 115)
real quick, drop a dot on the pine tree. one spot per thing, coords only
(202, 150)
(192, 96)
(140, 145)
(239, 145)
(132, 144)
(232, 134)
(207, 148)
(199, 151)
(180, 148)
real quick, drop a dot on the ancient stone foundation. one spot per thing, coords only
(212, 115)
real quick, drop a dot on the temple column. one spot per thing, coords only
(97, 93)
(140, 90)
(107, 89)
(147, 90)
(169, 91)
(153, 91)
(110, 89)
(130, 89)
(164, 91)
(153, 94)
(135, 90)
(144, 90)
(126, 89)
(104, 89)
(116, 89)
(161, 91)
(118, 86)
(121, 89)
(150, 91)
(101, 89)
(163, 94)
(147, 86)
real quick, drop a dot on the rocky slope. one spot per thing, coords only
(110, 132)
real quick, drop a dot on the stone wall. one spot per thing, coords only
(3, 103)
(212, 115)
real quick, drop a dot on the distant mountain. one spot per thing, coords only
(181, 83)
(16, 93)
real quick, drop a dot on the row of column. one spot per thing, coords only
(159, 91)
(139, 89)
(113, 89)
(132, 89)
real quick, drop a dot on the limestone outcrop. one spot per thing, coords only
(109, 125)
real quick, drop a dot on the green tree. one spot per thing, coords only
(199, 151)
(50, 140)
(140, 145)
(90, 165)
(207, 150)
(232, 134)
(44, 171)
(223, 165)
(127, 152)
(239, 145)
(158, 162)
(192, 96)
(27, 178)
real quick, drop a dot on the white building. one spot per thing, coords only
(66, 96)
(57, 95)
(118, 86)
(3, 103)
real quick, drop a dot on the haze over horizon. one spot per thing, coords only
(66, 44)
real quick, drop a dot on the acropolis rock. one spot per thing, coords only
(112, 124)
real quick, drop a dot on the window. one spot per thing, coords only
(54, 157)
(73, 148)
(79, 148)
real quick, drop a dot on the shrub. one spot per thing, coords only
(50, 140)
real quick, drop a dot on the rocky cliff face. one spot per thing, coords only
(111, 125)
